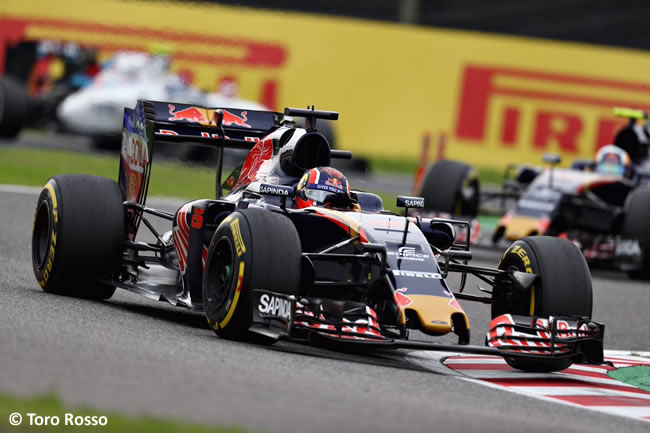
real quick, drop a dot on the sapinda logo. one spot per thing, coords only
(414, 203)
(274, 306)
(584, 100)
(410, 202)
(275, 190)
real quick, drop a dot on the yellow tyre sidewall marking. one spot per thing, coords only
(48, 186)
(47, 271)
(237, 237)
(233, 306)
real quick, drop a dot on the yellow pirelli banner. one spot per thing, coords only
(497, 99)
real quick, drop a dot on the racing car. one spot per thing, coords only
(95, 109)
(601, 205)
(288, 251)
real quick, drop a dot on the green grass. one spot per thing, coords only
(50, 405)
(487, 175)
(35, 166)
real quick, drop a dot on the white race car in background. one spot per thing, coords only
(98, 110)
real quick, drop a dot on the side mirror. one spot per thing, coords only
(410, 202)
(525, 175)
(553, 160)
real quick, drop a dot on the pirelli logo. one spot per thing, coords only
(236, 234)
(542, 109)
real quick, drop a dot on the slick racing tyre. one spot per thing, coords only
(562, 288)
(13, 107)
(451, 187)
(78, 235)
(251, 249)
(635, 226)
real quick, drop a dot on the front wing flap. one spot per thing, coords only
(579, 339)
(286, 316)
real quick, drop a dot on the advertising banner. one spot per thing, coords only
(497, 99)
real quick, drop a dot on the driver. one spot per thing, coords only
(613, 160)
(324, 186)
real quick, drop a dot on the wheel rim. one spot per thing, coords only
(42, 235)
(220, 273)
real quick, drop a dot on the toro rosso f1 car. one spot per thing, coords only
(288, 251)
(602, 205)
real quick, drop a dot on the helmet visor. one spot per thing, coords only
(318, 196)
(609, 167)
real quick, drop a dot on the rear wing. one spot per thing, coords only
(153, 122)
(181, 122)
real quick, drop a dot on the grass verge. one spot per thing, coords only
(487, 175)
(50, 405)
(35, 166)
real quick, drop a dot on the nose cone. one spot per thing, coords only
(435, 313)
(519, 227)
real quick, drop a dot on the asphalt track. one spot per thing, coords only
(133, 355)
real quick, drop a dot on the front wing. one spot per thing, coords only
(282, 316)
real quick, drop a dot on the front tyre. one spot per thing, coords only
(562, 288)
(78, 235)
(251, 249)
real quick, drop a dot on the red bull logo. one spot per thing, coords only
(230, 119)
(332, 181)
(190, 114)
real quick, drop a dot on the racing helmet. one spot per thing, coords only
(612, 160)
(323, 186)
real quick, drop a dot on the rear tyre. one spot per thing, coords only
(451, 187)
(13, 107)
(563, 287)
(251, 249)
(78, 235)
(637, 215)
